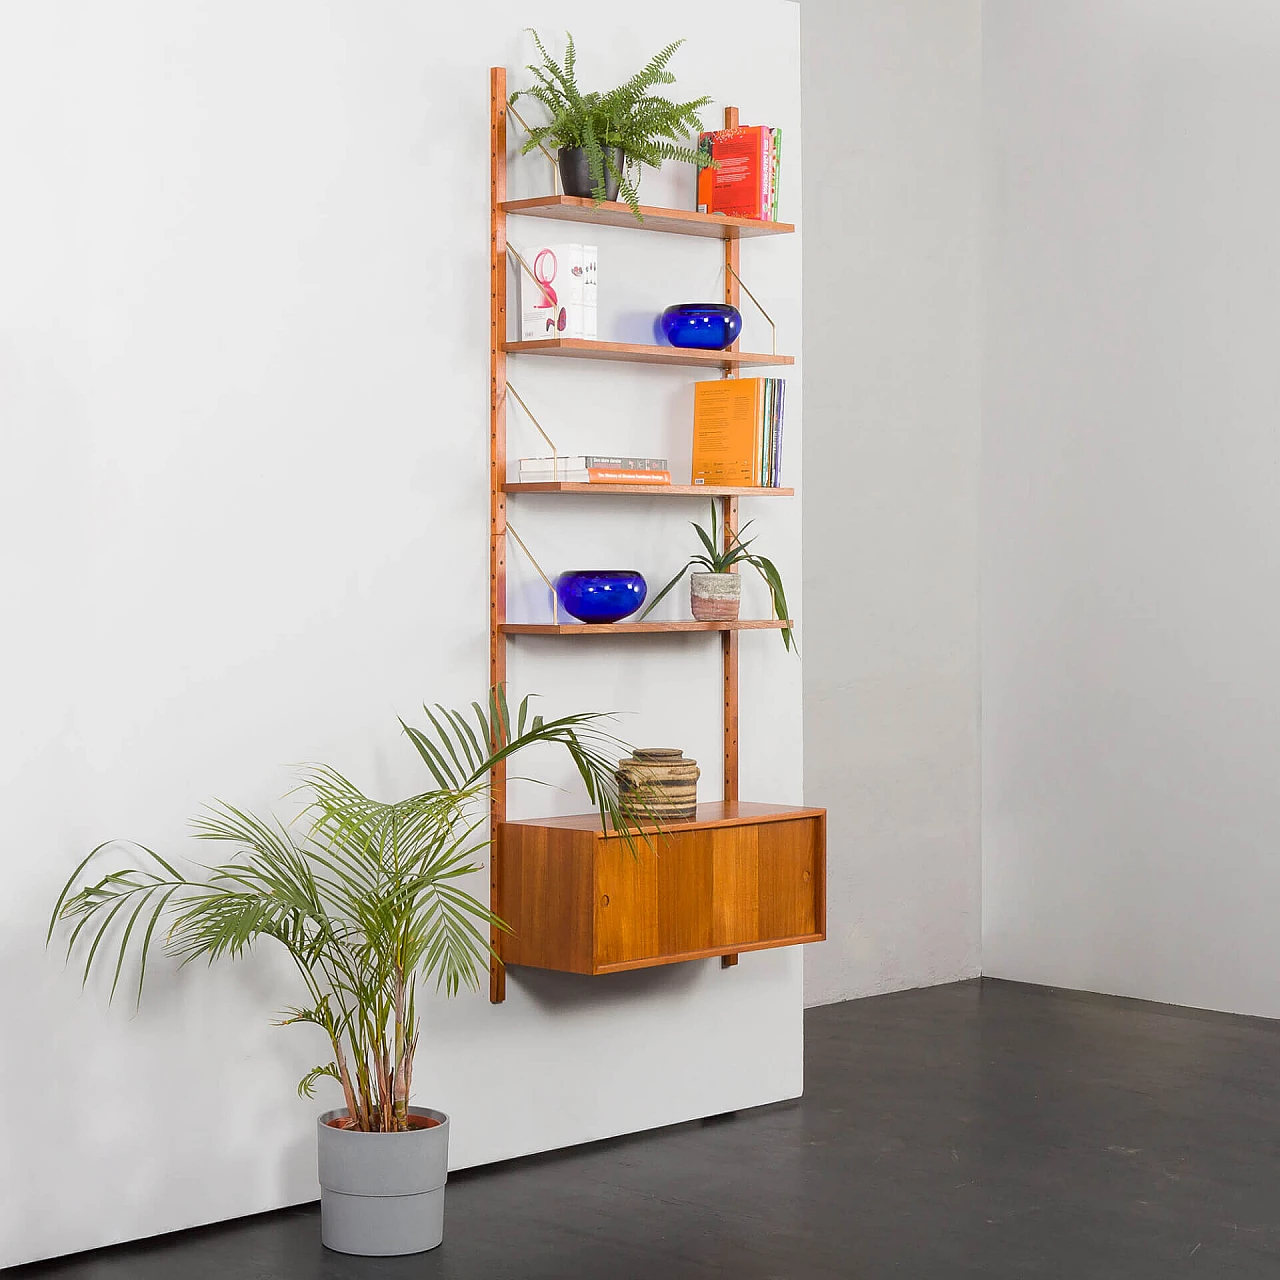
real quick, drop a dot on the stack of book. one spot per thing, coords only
(594, 468)
(744, 183)
(737, 431)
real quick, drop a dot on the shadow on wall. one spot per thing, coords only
(581, 993)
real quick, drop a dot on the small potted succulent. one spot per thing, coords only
(715, 594)
(602, 139)
(364, 897)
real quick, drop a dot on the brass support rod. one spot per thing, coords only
(515, 253)
(555, 600)
(551, 444)
(555, 168)
(773, 327)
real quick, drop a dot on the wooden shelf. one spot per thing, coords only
(739, 877)
(680, 222)
(643, 353)
(648, 490)
(636, 628)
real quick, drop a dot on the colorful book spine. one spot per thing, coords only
(777, 173)
(596, 475)
(766, 170)
(776, 471)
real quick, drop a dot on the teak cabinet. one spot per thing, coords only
(740, 877)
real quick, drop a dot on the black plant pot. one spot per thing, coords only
(575, 177)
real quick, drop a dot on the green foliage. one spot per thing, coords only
(647, 126)
(364, 896)
(720, 556)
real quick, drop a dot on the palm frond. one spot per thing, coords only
(365, 896)
(307, 1085)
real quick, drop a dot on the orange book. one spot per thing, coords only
(727, 417)
(737, 187)
(603, 475)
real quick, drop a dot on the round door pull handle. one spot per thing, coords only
(604, 901)
(808, 875)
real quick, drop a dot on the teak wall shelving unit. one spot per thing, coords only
(740, 877)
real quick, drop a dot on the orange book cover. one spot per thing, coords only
(726, 431)
(603, 475)
(737, 185)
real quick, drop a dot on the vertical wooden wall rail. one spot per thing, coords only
(729, 639)
(497, 478)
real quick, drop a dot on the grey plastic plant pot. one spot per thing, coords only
(382, 1194)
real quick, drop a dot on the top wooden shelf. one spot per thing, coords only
(680, 222)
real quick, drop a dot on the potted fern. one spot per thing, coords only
(603, 139)
(715, 594)
(364, 898)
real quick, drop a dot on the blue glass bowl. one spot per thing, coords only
(706, 326)
(601, 595)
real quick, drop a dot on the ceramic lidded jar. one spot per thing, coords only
(660, 782)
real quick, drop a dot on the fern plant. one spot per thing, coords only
(648, 127)
(721, 555)
(363, 896)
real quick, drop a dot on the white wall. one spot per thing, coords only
(1131, 701)
(243, 388)
(892, 129)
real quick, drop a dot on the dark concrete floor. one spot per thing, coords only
(977, 1130)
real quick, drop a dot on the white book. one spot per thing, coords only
(559, 300)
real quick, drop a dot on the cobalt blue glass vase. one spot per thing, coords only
(600, 595)
(706, 326)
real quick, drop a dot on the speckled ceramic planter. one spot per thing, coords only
(715, 597)
(383, 1193)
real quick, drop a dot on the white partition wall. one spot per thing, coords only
(1131, 701)
(892, 102)
(244, 390)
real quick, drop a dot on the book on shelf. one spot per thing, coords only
(559, 300)
(737, 432)
(596, 475)
(583, 462)
(748, 177)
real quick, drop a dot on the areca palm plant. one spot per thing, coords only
(363, 895)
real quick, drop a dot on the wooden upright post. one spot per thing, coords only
(497, 478)
(729, 639)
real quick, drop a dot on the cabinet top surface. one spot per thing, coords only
(719, 814)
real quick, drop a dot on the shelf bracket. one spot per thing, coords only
(555, 168)
(555, 601)
(551, 444)
(773, 328)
